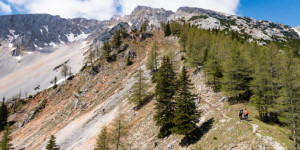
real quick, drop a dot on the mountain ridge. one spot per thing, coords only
(35, 33)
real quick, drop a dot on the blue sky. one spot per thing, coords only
(280, 11)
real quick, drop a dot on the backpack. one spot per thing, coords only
(241, 111)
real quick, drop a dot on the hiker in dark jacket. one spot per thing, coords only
(241, 113)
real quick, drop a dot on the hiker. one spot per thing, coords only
(241, 113)
(246, 114)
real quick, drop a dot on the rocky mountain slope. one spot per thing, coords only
(76, 111)
(32, 32)
(32, 46)
(23, 38)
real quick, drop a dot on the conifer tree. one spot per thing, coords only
(152, 59)
(116, 41)
(52, 144)
(197, 45)
(55, 81)
(290, 95)
(103, 140)
(235, 82)
(165, 90)
(212, 68)
(138, 89)
(119, 130)
(128, 61)
(167, 29)
(3, 115)
(91, 57)
(6, 139)
(265, 84)
(64, 71)
(185, 113)
(144, 27)
(183, 38)
(106, 51)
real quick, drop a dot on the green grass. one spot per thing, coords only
(278, 133)
(197, 17)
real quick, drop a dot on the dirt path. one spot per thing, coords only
(267, 139)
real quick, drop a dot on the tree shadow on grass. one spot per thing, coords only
(146, 100)
(197, 134)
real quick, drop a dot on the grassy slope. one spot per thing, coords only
(226, 130)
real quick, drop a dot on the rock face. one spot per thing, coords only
(153, 15)
(257, 29)
(35, 31)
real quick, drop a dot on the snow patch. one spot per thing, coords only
(59, 82)
(29, 53)
(62, 42)
(52, 44)
(85, 51)
(18, 58)
(10, 45)
(46, 27)
(41, 31)
(130, 24)
(12, 32)
(83, 44)
(71, 37)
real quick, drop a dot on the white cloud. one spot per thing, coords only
(104, 9)
(97, 9)
(226, 6)
(4, 8)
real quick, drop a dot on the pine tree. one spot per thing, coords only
(164, 91)
(139, 89)
(152, 59)
(128, 61)
(290, 95)
(116, 41)
(52, 144)
(235, 82)
(212, 68)
(119, 130)
(265, 84)
(185, 113)
(183, 38)
(106, 51)
(175, 28)
(64, 71)
(144, 27)
(197, 46)
(55, 81)
(3, 115)
(167, 29)
(6, 139)
(103, 140)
